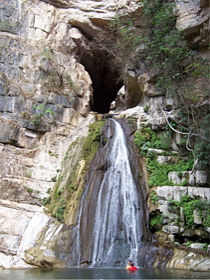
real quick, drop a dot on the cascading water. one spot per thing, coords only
(111, 216)
(117, 216)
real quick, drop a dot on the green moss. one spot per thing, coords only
(70, 179)
(70, 188)
(79, 194)
(29, 190)
(92, 141)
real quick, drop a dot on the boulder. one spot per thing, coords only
(199, 177)
(193, 19)
(170, 229)
(198, 246)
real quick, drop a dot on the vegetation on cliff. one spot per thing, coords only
(180, 71)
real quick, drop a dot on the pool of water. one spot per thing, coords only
(100, 273)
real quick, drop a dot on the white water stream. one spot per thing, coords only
(117, 212)
(114, 233)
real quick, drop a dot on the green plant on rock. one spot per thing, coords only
(46, 200)
(167, 47)
(158, 173)
(48, 53)
(147, 138)
(146, 109)
(181, 72)
(59, 214)
(156, 222)
(154, 197)
(28, 174)
(189, 204)
(41, 111)
(30, 190)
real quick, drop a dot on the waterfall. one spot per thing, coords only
(111, 214)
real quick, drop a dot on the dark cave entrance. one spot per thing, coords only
(105, 77)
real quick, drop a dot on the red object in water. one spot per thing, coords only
(132, 268)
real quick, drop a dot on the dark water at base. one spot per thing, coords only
(99, 273)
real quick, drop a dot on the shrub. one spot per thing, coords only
(189, 204)
(156, 222)
(158, 173)
(147, 138)
(59, 214)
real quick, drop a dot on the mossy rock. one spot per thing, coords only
(68, 190)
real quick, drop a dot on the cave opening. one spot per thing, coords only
(105, 76)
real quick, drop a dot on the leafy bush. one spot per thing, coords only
(147, 138)
(156, 222)
(158, 173)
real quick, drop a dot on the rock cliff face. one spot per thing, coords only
(46, 95)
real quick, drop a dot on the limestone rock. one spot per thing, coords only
(170, 229)
(197, 217)
(177, 179)
(47, 255)
(175, 192)
(193, 18)
(188, 260)
(164, 159)
(199, 177)
(20, 232)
